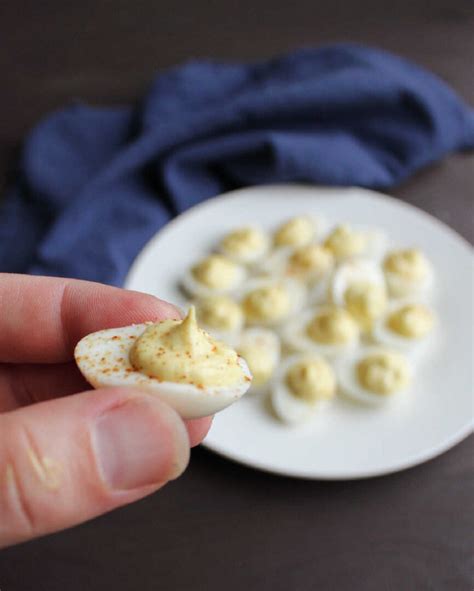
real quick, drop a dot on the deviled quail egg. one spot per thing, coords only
(214, 274)
(260, 348)
(324, 330)
(374, 375)
(408, 273)
(301, 386)
(221, 316)
(269, 302)
(173, 359)
(359, 285)
(406, 327)
(310, 264)
(346, 242)
(313, 265)
(298, 231)
(245, 245)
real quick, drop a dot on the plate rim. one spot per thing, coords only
(411, 462)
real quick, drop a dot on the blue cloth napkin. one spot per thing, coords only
(94, 184)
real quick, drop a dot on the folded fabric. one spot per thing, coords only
(94, 184)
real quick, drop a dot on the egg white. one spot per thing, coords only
(270, 341)
(320, 290)
(273, 264)
(401, 287)
(414, 348)
(289, 408)
(354, 271)
(349, 384)
(295, 338)
(103, 359)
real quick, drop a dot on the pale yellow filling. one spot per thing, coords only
(345, 242)
(295, 232)
(244, 242)
(383, 373)
(179, 351)
(410, 264)
(216, 272)
(219, 312)
(269, 303)
(413, 321)
(312, 259)
(366, 302)
(311, 380)
(332, 326)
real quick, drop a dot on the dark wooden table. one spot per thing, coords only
(224, 526)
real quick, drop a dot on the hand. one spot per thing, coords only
(63, 458)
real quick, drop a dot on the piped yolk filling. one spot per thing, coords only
(334, 326)
(179, 351)
(383, 373)
(311, 380)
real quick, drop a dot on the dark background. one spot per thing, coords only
(223, 526)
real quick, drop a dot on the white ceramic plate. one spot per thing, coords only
(347, 441)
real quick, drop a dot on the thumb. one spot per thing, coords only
(70, 459)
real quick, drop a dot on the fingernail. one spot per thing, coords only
(169, 310)
(175, 312)
(139, 443)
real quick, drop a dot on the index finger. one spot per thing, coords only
(42, 318)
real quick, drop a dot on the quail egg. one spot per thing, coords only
(302, 385)
(269, 302)
(309, 263)
(221, 316)
(246, 245)
(260, 348)
(374, 375)
(173, 359)
(359, 285)
(408, 273)
(212, 275)
(298, 231)
(346, 242)
(325, 330)
(406, 326)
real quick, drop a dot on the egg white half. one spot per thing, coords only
(289, 408)
(274, 263)
(351, 388)
(268, 339)
(400, 287)
(415, 348)
(103, 359)
(354, 271)
(296, 339)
